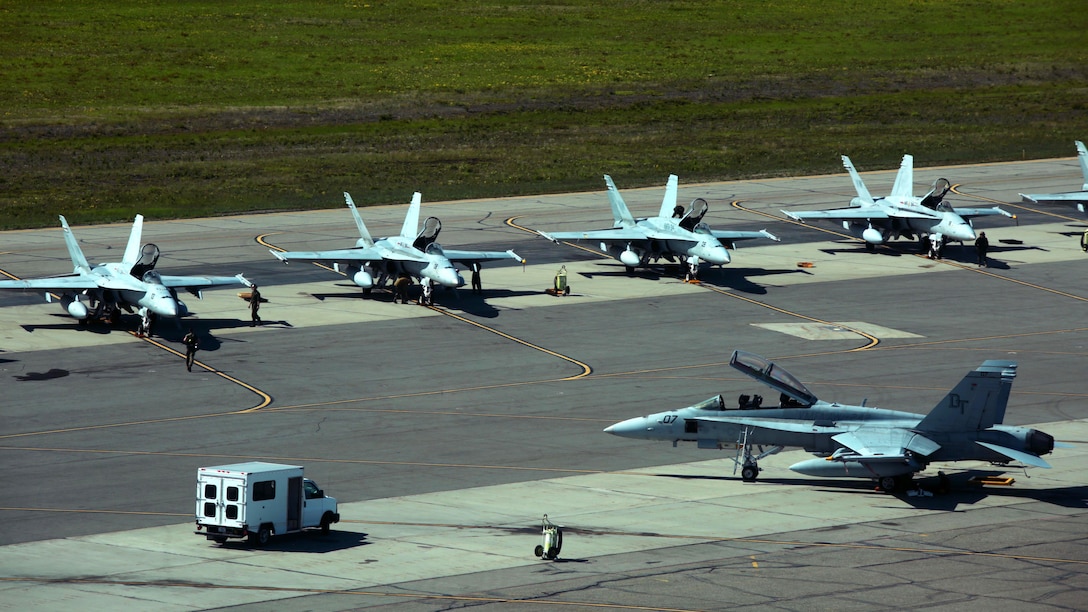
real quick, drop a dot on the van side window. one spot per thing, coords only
(264, 490)
(209, 491)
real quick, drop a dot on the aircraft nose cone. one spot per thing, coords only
(717, 255)
(631, 428)
(165, 307)
(448, 277)
(962, 231)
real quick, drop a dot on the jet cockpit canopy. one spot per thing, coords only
(428, 234)
(935, 196)
(434, 249)
(695, 214)
(773, 376)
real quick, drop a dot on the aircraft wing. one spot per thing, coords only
(54, 283)
(364, 254)
(885, 444)
(196, 282)
(867, 213)
(732, 236)
(607, 234)
(1074, 196)
(968, 213)
(471, 256)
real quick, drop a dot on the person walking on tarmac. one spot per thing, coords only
(191, 345)
(254, 306)
(400, 289)
(982, 245)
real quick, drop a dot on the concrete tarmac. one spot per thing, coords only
(447, 433)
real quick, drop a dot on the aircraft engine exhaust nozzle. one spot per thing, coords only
(74, 307)
(1040, 443)
(872, 236)
(363, 279)
(629, 258)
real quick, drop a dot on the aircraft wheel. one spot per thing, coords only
(553, 553)
(749, 473)
(539, 551)
(889, 484)
(367, 291)
(870, 247)
(630, 270)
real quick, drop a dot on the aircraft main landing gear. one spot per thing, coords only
(891, 484)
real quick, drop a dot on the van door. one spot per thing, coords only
(220, 500)
(294, 503)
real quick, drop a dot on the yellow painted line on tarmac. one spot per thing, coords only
(266, 399)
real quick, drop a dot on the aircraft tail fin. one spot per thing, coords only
(1082, 157)
(132, 249)
(76, 253)
(621, 216)
(411, 220)
(668, 204)
(977, 402)
(859, 185)
(364, 234)
(904, 181)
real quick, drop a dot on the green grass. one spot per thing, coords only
(189, 109)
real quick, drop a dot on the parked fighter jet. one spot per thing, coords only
(411, 253)
(105, 289)
(901, 213)
(673, 235)
(1079, 198)
(853, 441)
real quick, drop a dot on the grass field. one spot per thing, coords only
(200, 108)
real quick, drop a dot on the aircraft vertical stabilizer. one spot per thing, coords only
(411, 220)
(621, 216)
(132, 249)
(859, 185)
(364, 235)
(1082, 157)
(904, 181)
(76, 253)
(668, 203)
(976, 403)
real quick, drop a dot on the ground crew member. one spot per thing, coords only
(982, 245)
(254, 306)
(400, 287)
(425, 298)
(476, 286)
(191, 345)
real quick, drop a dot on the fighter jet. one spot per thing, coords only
(1080, 198)
(673, 235)
(852, 441)
(413, 252)
(879, 220)
(105, 289)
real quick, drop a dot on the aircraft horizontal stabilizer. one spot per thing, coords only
(1015, 455)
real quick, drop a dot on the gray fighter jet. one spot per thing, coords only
(901, 213)
(106, 289)
(852, 441)
(411, 253)
(1078, 198)
(673, 235)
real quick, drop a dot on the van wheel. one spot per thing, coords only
(220, 540)
(325, 522)
(264, 534)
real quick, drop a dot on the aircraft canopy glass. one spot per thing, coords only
(715, 403)
(434, 249)
(768, 373)
(152, 277)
